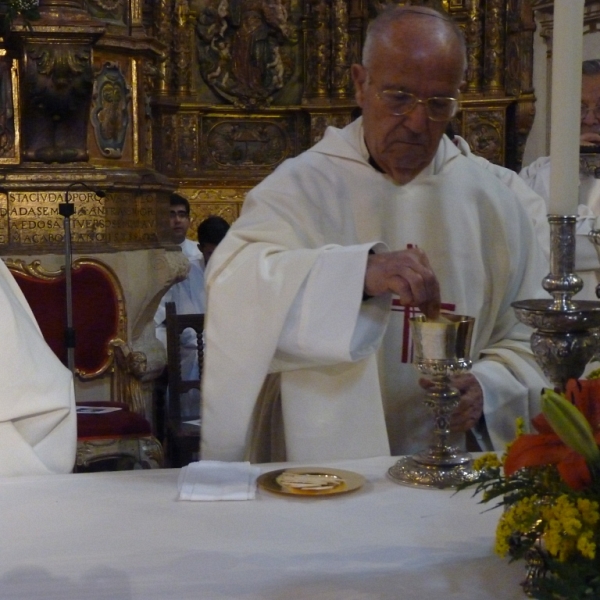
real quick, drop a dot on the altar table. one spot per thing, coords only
(125, 536)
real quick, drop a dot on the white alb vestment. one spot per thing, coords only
(38, 422)
(190, 298)
(587, 264)
(534, 204)
(285, 294)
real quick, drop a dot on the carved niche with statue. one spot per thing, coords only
(246, 84)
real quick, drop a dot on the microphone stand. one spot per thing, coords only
(67, 209)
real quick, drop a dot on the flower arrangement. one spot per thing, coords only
(549, 485)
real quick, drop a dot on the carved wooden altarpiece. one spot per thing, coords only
(249, 83)
(213, 95)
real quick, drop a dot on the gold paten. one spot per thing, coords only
(350, 482)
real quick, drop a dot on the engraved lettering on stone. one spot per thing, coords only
(35, 220)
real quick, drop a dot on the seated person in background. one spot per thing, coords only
(336, 249)
(38, 423)
(210, 234)
(189, 298)
(537, 176)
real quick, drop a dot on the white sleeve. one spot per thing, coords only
(586, 254)
(537, 177)
(328, 321)
(38, 429)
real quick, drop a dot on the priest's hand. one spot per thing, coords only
(406, 273)
(470, 406)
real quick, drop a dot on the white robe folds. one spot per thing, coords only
(38, 426)
(285, 295)
(587, 262)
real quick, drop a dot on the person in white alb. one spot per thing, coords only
(38, 422)
(537, 176)
(340, 246)
(189, 298)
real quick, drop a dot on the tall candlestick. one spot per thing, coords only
(567, 50)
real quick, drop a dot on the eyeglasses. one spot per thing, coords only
(439, 108)
(585, 109)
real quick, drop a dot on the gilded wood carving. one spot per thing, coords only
(218, 93)
(243, 49)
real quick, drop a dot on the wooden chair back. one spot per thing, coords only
(182, 439)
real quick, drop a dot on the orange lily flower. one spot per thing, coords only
(546, 448)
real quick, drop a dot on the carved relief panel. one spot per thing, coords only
(57, 84)
(228, 147)
(244, 49)
(111, 102)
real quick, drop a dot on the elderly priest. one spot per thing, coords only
(336, 250)
(38, 428)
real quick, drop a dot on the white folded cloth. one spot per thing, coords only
(218, 480)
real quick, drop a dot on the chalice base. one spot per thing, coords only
(411, 471)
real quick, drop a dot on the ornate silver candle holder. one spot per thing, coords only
(441, 350)
(565, 337)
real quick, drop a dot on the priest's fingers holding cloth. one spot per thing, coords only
(406, 273)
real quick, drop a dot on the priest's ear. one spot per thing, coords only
(359, 77)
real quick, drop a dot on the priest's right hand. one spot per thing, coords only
(406, 273)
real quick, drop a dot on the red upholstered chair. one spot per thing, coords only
(111, 432)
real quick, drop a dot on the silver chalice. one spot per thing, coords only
(441, 350)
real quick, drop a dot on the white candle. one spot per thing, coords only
(567, 43)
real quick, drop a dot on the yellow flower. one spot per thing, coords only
(569, 527)
(487, 461)
(586, 547)
(521, 518)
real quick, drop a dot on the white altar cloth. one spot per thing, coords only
(125, 536)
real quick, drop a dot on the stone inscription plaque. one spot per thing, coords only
(119, 220)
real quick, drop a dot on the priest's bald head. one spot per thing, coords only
(408, 84)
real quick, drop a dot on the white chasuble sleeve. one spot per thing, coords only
(328, 322)
(250, 289)
(282, 282)
(507, 371)
(38, 429)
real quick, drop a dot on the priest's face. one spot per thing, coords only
(430, 66)
(179, 220)
(590, 104)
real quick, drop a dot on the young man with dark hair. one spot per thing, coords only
(210, 234)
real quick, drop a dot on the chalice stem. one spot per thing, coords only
(442, 400)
